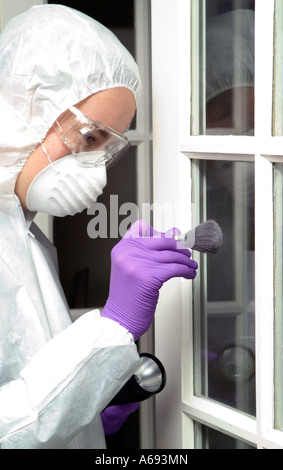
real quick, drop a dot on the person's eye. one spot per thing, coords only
(89, 139)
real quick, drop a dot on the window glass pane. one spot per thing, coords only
(278, 70)
(208, 438)
(223, 67)
(278, 295)
(224, 288)
(84, 242)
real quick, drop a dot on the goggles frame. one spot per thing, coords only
(91, 142)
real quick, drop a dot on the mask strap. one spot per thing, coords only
(49, 159)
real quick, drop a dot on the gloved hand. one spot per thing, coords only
(114, 416)
(140, 263)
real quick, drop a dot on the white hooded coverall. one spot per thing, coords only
(55, 376)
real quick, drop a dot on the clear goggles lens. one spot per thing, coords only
(90, 141)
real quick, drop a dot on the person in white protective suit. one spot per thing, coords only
(68, 92)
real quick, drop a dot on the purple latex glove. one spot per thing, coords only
(140, 263)
(114, 416)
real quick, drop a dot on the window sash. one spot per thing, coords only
(252, 148)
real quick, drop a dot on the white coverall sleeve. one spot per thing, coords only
(67, 384)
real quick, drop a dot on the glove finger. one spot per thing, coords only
(169, 256)
(140, 228)
(121, 410)
(114, 416)
(168, 271)
(163, 242)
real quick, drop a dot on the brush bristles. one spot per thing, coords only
(205, 238)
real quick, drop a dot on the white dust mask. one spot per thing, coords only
(65, 187)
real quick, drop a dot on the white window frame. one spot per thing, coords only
(177, 409)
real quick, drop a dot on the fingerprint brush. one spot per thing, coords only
(205, 238)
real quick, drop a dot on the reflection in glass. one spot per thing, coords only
(223, 91)
(224, 287)
(278, 294)
(208, 438)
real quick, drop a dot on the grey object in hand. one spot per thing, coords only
(205, 238)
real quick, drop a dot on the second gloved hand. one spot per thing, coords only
(114, 416)
(140, 263)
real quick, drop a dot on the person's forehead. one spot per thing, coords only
(114, 107)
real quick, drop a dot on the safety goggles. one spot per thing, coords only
(91, 142)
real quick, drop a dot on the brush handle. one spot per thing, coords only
(188, 238)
